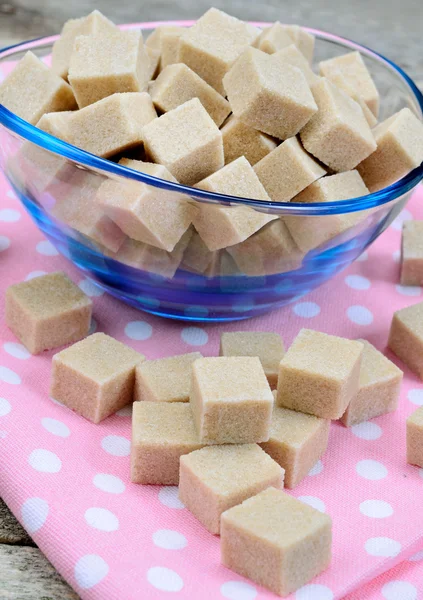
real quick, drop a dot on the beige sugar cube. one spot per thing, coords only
(169, 42)
(338, 134)
(165, 379)
(56, 123)
(296, 442)
(302, 39)
(216, 478)
(274, 38)
(287, 170)
(353, 68)
(406, 337)
(292, 56)
(379, 388)
(241, 140)
(268, 252)
(89, 128)
(47, 312)
(162, 432)
(269, 95)
(412, 253)
(108, 63)
(399, 150)
(32, 89)
(222, 226)
(267, 346)
(319, 374)
(177, 84)
(196, 150)
(276, 541)
(199, 259)
(93, 24)
(311, 232)
(95, 377)
(212, 45)
(145, 213)
(154, 64)
(415, 438)
(231, 400)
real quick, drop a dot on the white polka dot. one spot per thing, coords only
(10, 193)
(165, 579)
(9, 376)
(34, 513)
(3, 434)
(396, 256)
(46, 248)
(367, 430)
(363, 256)
(138, 330)
(5, 407)
(90, 288)
(376, 509)
(238, 590)
(405, 215)
(382, 546)
(93, 327)
(108, 483)
(169, 539)
(314, 591)
(371, 469)
(360, 315)
(34, 274)
(45, 461)
(409, 290)
(194, 336)
(90, 570)
(357, 282)
(314, 502)
(8, 215)
(421, 473)
(102, 519)
(16, 350)
(306, 309)
(399, 590)
(4, 243)
(243, 305)
(317, 469)
(417, 556)
(55, 427)
(168, 495)
(117, 445)
(416, 396)
(126, 411)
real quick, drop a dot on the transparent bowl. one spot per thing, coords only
(188, 283)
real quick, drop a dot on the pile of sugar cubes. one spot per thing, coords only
(231, 430)
(222, 106)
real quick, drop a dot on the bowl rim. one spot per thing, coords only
(85, 159)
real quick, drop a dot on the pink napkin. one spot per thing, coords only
(67, 480)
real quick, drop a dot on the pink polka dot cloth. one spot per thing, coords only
(67, 480)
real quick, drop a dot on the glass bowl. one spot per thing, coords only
(190, 283)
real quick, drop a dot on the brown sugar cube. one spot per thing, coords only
(93, 24)
(415, 438)
(56, 123)
(161, 433)
(95, 377)
(154, 65)
(302, 39)
(216, 478)
(47, 312)
(338, 134)
(269, 95)
(198, 258)
(311, 232)
(169, 43)
(412, 253)
(287, 170)
(196, 150)
(267, 346)
(165, 379)
(32, 89)
(406, 337)
(241, 140)
(268, 252)
(399, 150)
(274, 38)
(378, 390)
(177, 84)
(106, 64)
(231, 400)
(145, 213)
(353, 68)
(276, 541)
(319, 374)
(296, 442)
(212, 45)
(292, 56)
(89, 128)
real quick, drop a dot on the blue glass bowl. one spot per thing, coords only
(228, 294)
